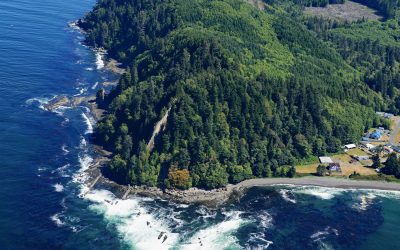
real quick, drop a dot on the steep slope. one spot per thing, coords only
(249, 91)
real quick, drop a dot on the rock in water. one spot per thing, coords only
(57, 102)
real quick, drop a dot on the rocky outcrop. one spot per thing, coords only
(57, 102)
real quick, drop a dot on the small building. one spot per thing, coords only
(385, 115)
(365, 138)
(388, 115)
(369, 146)
(362, 157)
(334, 167)
(325, 160)
(350, 146)
(377, 134)
(396, 149)
(388, 150)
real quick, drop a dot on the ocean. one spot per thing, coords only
(43, 155)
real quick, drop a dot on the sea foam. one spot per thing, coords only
(58, 187)
(132, 221)
(56, 219)
(320, 192)
(219, 236)
(99, 60)
(39, 102)
(287, 195)
(89, 125)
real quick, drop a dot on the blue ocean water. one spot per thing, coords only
(42, 155)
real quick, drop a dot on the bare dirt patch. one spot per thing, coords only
(259, 4)
(349, 11)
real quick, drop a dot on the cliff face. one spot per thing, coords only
(246, 92)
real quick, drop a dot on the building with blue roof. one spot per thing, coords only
(377, 134)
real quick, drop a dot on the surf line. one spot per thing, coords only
(92, 185)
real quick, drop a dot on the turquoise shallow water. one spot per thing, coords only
(42, 154)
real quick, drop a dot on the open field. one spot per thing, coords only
(347, 169)
(395, 131)
(344, 160)
(349, 11)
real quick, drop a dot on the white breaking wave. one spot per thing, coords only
(89, 125)
(95, 85)
(286, 195)
(132, 221)
(320, 192)
(60, 110)
(385, 193)
(58, 187)
(365, 201)
(62, 170)
(320, 236)
(265, 219)
(85, 162)
(81, 91)
(41, 169)
(261, 242)
(83, 143)
(39, 101)
(74, 26)
(89, 69)
(99, 60)
(64, 149)
(56, 219)
(219, 236)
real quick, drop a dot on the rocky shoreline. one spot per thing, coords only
(210, 198)
(217, 197)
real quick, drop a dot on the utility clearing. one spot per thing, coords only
(160, 125)
(349, 11)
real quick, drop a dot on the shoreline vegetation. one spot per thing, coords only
(216, 197)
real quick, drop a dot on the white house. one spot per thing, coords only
(362, 157)
(350, 146)
(369, 146)
(325, 160)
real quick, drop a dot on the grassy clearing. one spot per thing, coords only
(349, 11)
(357, 151)
(382, 177)
(344, 160)
(307, 169)
(348, 169)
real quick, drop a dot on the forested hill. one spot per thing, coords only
(250, 92)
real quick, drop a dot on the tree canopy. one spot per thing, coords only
(250, 92)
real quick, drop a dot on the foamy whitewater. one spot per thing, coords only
(100, 60)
